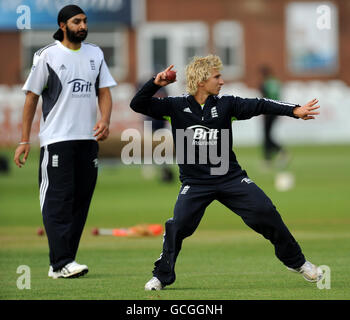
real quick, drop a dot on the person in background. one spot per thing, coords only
(270, 88)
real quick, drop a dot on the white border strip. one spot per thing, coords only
(280, 102)
(44, 178)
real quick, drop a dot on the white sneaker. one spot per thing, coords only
(54, 274)
(154, 284)
(74, 270)
(309, 271)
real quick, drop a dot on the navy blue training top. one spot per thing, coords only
(195, 129)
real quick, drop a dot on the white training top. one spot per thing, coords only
(68, 81)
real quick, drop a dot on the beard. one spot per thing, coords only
(76, 37)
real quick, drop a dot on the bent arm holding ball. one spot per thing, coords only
(144, 102)
(165, 77)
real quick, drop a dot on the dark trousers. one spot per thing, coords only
(270, 146)
(243, 197)
(67, 179)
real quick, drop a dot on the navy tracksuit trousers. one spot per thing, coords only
(67, 179)
(240, 195)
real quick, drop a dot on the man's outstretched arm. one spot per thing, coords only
(247, 108)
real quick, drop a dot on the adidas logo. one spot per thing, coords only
(63, 67)
(185, 189)
(247, 180)
(187, 110)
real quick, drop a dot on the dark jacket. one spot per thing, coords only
(195, 129)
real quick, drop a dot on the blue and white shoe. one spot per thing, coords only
(70, 270)
(309, 271)
(74, 270)
(154, 284)
(54, 274)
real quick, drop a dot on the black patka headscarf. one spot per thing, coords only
(65, 14)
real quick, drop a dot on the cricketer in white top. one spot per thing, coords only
(68, 81)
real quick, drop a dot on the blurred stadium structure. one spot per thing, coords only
(305, 42)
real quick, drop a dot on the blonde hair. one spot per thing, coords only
(199, 69)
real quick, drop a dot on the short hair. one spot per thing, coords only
(199, 69)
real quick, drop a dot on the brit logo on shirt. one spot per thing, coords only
(92, 64)
(214, 112)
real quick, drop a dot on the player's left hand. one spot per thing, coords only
(101, 129)
(21, 149)
(307, 112)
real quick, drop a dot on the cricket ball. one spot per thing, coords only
(170, 75)
(40, 232)
(94, 231)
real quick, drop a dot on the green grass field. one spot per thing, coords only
(223, 260)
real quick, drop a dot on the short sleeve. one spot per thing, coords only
(38, 76)
(105, 77)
